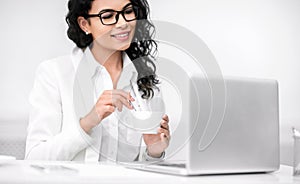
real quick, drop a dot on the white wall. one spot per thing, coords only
(31, 31)
(255, 38)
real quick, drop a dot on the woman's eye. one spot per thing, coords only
(107, 15)
(128, 11)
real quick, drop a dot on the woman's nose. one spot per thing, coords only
(122, 23)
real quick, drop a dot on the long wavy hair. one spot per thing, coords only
(142, 51)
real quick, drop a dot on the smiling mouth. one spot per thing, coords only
(121, 36)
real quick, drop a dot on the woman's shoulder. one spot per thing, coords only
(60, 60)
(56, 72)
(61, 63)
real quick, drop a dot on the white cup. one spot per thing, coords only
(146, 122)
(143, 121)
(147, 114)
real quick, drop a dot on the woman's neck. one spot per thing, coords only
(111, 60)
(107, 58)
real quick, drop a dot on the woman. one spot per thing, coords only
(109, 35)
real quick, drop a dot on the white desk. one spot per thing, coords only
(22, 172)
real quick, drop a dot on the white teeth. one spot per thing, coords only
(122, 35)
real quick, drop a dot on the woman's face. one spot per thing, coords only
(110, 37)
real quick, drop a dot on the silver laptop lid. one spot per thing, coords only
(237, 131)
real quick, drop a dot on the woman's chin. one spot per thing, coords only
(123, 47)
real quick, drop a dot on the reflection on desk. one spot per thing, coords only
(20, 171)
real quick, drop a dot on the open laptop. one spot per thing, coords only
(227, 125)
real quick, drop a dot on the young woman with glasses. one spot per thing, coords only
(109, 35)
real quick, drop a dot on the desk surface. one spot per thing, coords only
(67, 172)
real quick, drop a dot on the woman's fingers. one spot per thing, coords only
(124, 97)
(164, 131)
(165, 125)
(165, 122)
(165, 117)
(110, 100)
(117, 98)
(165, 139)
(122, 93)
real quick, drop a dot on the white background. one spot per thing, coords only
(253, 38)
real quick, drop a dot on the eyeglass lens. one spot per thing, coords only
(111, 17)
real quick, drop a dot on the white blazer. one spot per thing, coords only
(63, 92)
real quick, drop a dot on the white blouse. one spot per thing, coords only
(66, 89)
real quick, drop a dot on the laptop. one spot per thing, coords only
(227, 125)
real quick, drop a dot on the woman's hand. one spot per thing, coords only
(105, 106)
(157, 143)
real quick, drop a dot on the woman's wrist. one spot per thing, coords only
(154, 154)
(89, 122)
(85, 125)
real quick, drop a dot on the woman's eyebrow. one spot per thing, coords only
(106, 10)
(109, 10)
(128, 4)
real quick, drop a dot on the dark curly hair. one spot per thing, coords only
(142, 51)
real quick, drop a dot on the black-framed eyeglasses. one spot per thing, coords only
(111, 17)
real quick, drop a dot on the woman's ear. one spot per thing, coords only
(84, 24)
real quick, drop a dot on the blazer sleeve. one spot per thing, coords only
(45, 139)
